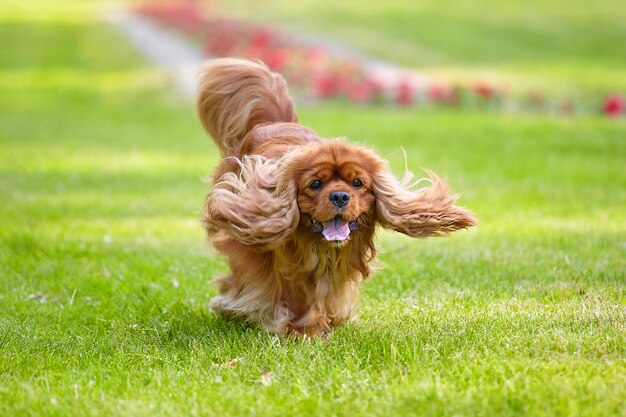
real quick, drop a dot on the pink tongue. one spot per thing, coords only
(336, 229)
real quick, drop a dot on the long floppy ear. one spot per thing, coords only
(256, 206)
(421, 213)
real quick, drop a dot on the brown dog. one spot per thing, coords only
(295, 214)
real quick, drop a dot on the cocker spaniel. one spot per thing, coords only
(295, 214)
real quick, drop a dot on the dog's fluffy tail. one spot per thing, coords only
(234, 95)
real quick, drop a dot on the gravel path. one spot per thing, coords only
(164, 48)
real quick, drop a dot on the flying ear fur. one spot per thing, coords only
(255, 206)
(421, 213)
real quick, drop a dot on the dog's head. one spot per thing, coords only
(342, 187)
(334, 183)
(332, 189)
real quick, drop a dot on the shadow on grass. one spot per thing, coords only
(188, 325)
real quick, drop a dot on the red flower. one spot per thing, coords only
(359, 91)
(276, 58)
(316, 54)
(483, 90)
(327, 85)
(405, 93)
(223, 37)
(614, 105)
(261, 37)
(221, 45)
(375, 86)
(439, 93)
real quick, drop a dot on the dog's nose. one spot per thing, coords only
(339, 198)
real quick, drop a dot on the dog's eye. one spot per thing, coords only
(357, 183)
(315, 185)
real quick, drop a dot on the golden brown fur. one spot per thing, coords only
(294, 214)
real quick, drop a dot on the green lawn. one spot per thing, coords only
(104, 268)
(566, 47)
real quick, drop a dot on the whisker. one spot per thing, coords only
(362, 220)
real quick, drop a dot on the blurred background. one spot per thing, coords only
(541, 56)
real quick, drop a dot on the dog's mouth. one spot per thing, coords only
(334, 230)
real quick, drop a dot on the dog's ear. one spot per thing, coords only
(256, 206)
(421, 213)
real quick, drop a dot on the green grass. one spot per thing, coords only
(104, 268)
(566, 47)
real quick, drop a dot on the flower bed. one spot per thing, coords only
(315, 74)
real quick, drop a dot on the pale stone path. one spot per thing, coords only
(171, 51)
(165, 48)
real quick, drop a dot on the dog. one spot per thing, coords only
(295, 214)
